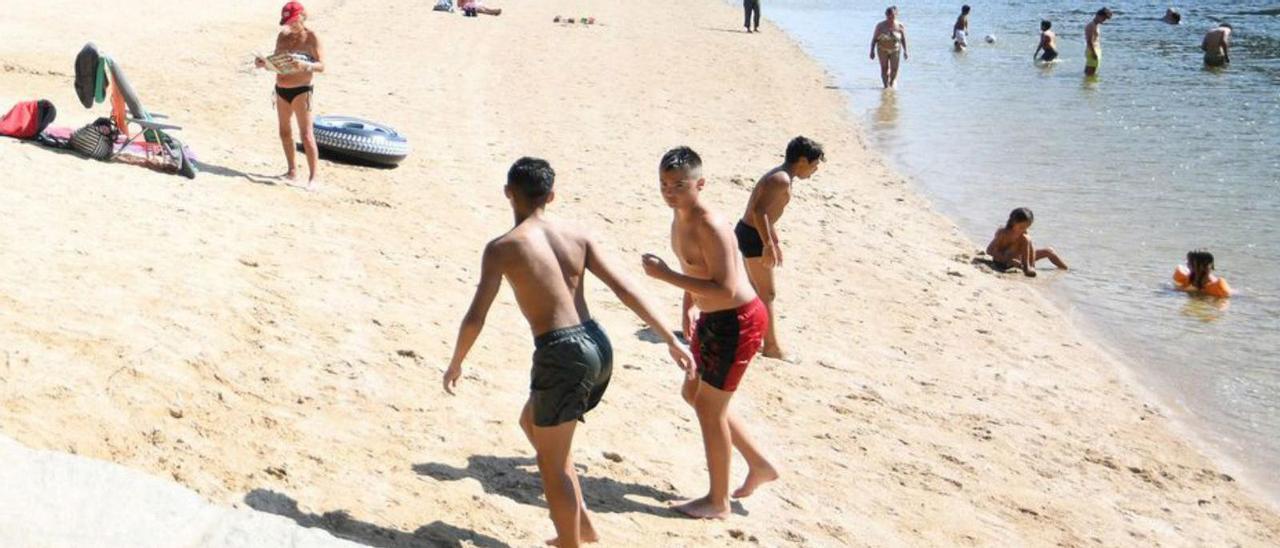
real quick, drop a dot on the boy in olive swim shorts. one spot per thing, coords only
(765, 207)
(726, 334)
(1093, 41)
(545, 262)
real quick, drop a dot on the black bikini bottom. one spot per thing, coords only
(289, 94)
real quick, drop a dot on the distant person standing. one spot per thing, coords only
(890, 40)
(1172, 17)
(1217, 46)
(751, 14)
(1093, 41)
(294, 87)
(960, 31)
(1048, 43)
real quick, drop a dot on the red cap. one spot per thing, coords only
(291, 12)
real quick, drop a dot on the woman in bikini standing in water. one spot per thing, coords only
(293, 90)
(890, 39)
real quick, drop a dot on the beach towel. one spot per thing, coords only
(27, 119)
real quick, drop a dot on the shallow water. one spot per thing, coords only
(1125, 173)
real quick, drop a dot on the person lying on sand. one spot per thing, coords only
(725, 337)
(473, 7)
(546, 263)
(765, 207)
(1012, 247)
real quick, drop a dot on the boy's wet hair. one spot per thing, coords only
(531, 178)
(1019, 215)
(1200, 263)
(1045, 25)
(680, 158)
(964, 10)
(804, 147)
(1225, 25)
(889, 10)
(1104, 12)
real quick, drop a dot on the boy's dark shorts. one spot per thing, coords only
(749, 242)
(571, 370)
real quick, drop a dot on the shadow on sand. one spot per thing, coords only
(517, 478)
(341, 525)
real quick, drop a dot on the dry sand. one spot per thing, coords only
(266, 346)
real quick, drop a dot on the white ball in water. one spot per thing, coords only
(991, 38)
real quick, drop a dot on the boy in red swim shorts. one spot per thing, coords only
(726, 334)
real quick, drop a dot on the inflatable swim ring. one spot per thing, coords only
(1217, 288)
(360, 140)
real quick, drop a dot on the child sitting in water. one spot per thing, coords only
(1197, 276)
(1011, 247)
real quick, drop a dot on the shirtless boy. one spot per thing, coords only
(726, 334)
(1217, 46)
(545, 263)
(1048, 43)
(960, 30)
(1093, 41)
(765, 207)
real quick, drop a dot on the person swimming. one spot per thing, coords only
(1197, 276)
(1011, 247)
(1048, 43)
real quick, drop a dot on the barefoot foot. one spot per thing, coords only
(702, 508)
(587, 538)
(774, 352)
(755, 478)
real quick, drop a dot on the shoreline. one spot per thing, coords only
(1142, 372)
(142, 335)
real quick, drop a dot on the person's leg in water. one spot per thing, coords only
(884, 69)
(1049, 253)
(761, 278)
(894, 60)
(559, 484)
(759, 470)
(587, 531)
(284, 115)
(302, 110)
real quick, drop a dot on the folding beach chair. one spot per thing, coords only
(97, 76)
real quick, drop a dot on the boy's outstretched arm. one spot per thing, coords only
(473, 322)
(626, 292)
(714, 242)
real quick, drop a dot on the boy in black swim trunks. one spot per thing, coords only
(545, 263)
(726, 334)
(768, 201)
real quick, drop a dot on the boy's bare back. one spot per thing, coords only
(544, 262)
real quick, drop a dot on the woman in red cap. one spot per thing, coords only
(293, 85)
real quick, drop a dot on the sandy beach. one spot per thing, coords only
(269, 347)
